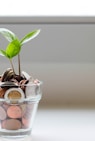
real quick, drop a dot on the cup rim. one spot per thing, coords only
(5, 84)
(33, 98)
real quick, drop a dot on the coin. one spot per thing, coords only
(11, 124)
(3, 114)
(26, 75)
(5, 105)
(2, 92)
(23, 84)
(30, 90)
(8, 74)
(8, 84)
(14, 94)
(26, 122)
(14, 111)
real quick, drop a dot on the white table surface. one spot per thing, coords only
(63, 125)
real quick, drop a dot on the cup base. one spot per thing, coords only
(20, 135)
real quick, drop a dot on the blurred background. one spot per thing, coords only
(62, 56)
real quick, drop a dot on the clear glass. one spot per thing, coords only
(17, 114)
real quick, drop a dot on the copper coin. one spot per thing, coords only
(3, 114)
(27, 116)
(5, 106)
(11, 124)
(2, 92)
(23, 83)
(26, 122)
(14, 112)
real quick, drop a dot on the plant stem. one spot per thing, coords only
(12, 65)
(19, 69)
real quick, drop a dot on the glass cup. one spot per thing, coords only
(18, 109)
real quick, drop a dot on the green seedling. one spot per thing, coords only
(14, 47)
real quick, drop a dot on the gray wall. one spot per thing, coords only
(62, 56)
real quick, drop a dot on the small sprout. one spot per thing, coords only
(30, 36)
(10, 36)
(14, 47)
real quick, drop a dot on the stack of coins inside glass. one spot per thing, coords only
(15, 111)
(13, 117)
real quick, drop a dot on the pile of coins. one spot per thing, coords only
(15, 112)
(15, 87)
(14, 117)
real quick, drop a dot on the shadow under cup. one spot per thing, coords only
(17, 114)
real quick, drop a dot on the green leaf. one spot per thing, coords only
(9, 35)
(13, 49)
(3, 52)
(30, 36)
